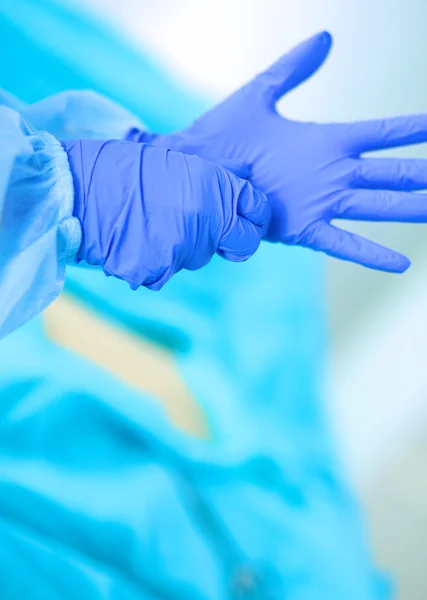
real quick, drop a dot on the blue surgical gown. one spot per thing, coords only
(38, 234)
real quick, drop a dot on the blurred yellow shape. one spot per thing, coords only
(143, 365)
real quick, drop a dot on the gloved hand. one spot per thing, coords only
(313, 173)
(146, 213)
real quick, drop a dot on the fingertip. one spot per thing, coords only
(326, 38)
(322, 40)
(397, 264)
(404, 264)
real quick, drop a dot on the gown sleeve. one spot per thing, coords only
(38, 233)
(76, 114)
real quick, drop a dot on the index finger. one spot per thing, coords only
(380, 134)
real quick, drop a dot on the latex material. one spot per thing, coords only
(313, 173)
(249, 341)
(147, 213)
(38, 234)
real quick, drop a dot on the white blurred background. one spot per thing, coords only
(377, 376)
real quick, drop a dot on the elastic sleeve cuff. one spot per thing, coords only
(69, 229)
(38, 234)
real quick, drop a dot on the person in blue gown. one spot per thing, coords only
(100, 496)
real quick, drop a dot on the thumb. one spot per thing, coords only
(248, 223)
(241, 242)
(294, 67)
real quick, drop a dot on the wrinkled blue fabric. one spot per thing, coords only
(141, 511)
(75, 112)
(90, 467)
(68, 112)
(146, 213)
(38, 234)
(313, 173)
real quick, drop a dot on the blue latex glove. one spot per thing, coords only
(146, 213)
(313, 173)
